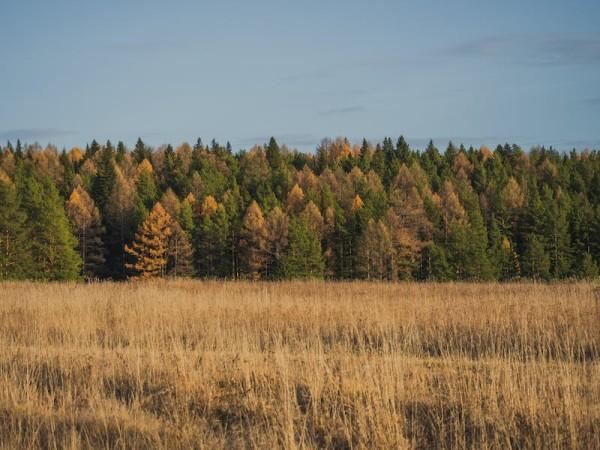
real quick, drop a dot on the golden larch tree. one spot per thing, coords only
(253, 241)
(295, 200)
(87, 226)
(151, 244)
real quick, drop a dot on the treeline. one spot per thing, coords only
(378, 212)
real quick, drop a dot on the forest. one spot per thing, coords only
(372, 211)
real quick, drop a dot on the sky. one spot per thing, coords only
(474, 72)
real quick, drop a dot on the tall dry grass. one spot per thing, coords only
(191, 364)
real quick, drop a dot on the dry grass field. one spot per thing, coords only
(190, 364)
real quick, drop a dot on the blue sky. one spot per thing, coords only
(476, 72)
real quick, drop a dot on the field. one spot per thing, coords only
(190, 364)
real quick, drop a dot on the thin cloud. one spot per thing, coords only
(32, 134)
(343, 110)
(545, 50)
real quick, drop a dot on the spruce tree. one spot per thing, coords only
(15, 256)
(104, 180)
(303, 258)
(52, 242)
(536, 261)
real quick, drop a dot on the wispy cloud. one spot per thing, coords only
(32, 134)
(547, 49)
(342, 110)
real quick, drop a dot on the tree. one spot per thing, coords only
(52, 242)
(87, 226)
(105, 177)
(141, 152)
(277, 224)
(180, 254)
(295, 200)
(15, 256)
(253, 242)
(435, 264)
(375, 252)
(303, 258)
(147, 192)
(536, 262)
(273, 154)
(150, 246)
(212, 240)
(120, 220)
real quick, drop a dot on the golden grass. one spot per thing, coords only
(190, 364)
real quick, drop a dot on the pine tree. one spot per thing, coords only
(435, 266)
(141, 152)
(87, 226)
(52, 242)
(212, 240)
(253, 242)
(15, 256)
(536, 261)
(150, 246)
(273, 154)
(105, 177)
(303, 258)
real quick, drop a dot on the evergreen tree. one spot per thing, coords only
(303, 258)
(52, 242)
(15, 257)
(212, 240)
(435, 266)
(141, 152)
(120, 220)
(536, 261)
(105, 177)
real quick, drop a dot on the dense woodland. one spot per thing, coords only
(373, 211)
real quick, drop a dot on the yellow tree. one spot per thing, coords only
(314, 218)
(277, 225)
(151, 244)
(295, 200)
(253, 241)
(87, 226)
(451, 208)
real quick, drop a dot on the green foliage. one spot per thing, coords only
(303, 257)
(464, 214)
(15, 256)
(52, 243)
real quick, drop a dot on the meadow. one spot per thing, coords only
(207, 364)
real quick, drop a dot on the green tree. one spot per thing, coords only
(535, 259)
(104, 180)
(303, 258)
(52, 242)
(15, 256)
